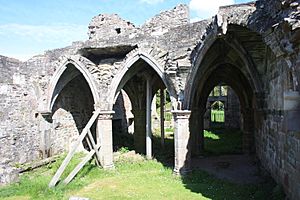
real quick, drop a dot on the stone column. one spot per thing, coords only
(248, 131)
(181, 140)
(45, 131)
(148, 120)
(196, 129)
(104, 132)
(139, 130)
(162, 117)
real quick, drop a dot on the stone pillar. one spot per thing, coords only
(45, 131)
(162, 117)
(139, 130)
(181, 140)
(104, 132)
(196, 129)
(148, 120)
(248, 131)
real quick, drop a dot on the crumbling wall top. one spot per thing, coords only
(108, 25)
(162, 22)
(237, 14)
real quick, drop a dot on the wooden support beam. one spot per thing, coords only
(91, 148)
(80, 165)
(94, 146)
(71, 153)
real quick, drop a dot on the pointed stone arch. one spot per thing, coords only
(119, 80)
(225, 56)
(57, 83)
(249, 66)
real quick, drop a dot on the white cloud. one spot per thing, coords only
(207, 8)
(22, 57)
(23, 41)
(42, 33)
(151, 1)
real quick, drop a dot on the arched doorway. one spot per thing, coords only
(238, 59)
(222, 122)
(238, 82)
(122, 122)
(142, 78)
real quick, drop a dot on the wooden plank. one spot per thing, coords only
(80, 166)
(91, 148)
(71, 153)
(94, 145)
(37, 164)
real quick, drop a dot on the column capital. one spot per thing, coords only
(106, 115)
(181, 114)
(47, 115)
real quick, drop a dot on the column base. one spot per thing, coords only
(181, 172)
(109, 167)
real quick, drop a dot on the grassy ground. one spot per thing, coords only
(222, 141)
(142, 179)
(217, 115)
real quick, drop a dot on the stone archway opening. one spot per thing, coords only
(225, 63)
(147, 93)
(229, 75)
(71, 108)
(222, 133)
(224, 151)
(123, 123)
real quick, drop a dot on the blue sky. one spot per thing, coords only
(29, 27)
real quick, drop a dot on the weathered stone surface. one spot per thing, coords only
(8, 174)
(253, 47)
(105, 26)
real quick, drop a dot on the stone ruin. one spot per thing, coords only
(253, 48)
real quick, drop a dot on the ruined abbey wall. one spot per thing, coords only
(260, 39)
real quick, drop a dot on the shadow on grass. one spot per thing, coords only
(197, 182)
(219, 141)
(213, 188)
(164, 155)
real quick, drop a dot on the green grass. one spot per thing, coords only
(145, 179)
(222, 141)
(217, 116)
